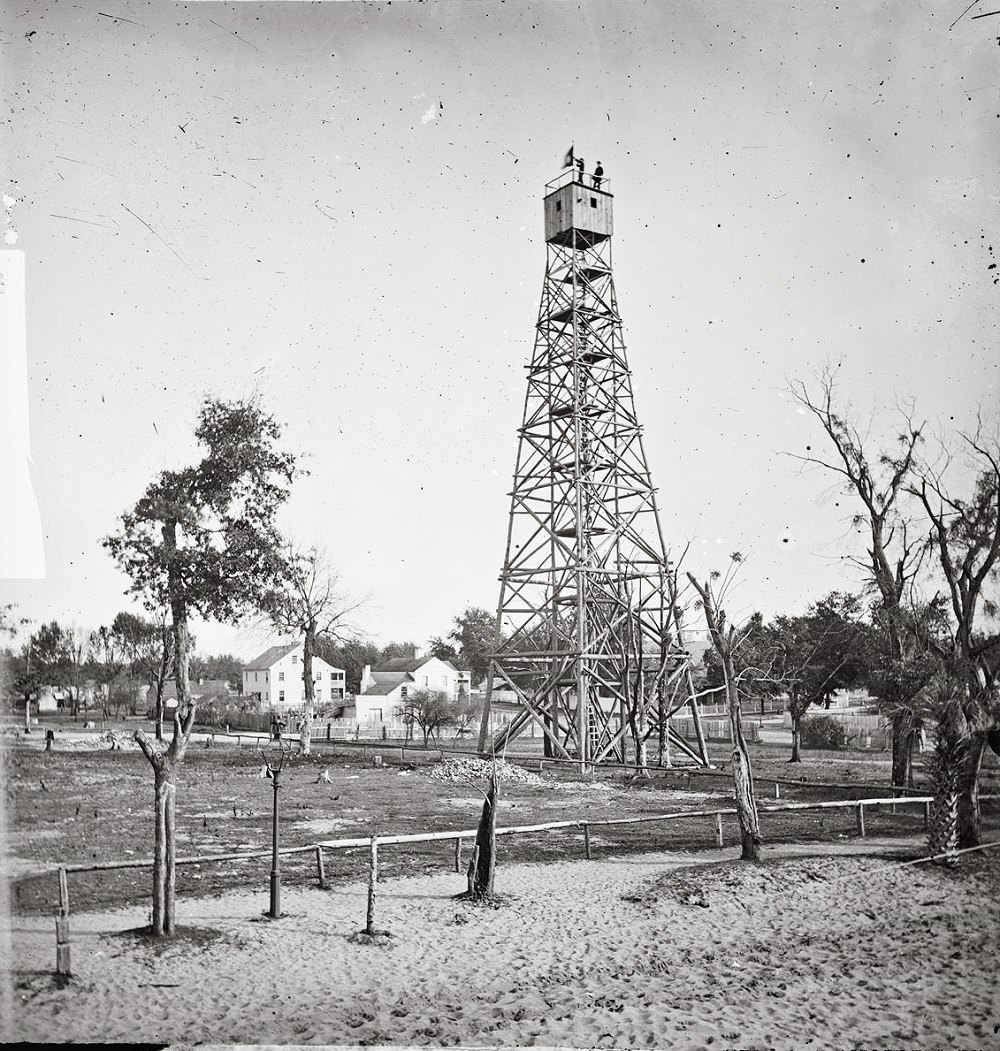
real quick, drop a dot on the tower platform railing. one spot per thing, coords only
(586, 179)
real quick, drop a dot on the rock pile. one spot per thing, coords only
(469, 768)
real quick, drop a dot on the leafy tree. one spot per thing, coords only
(352, 655)
(397, 649)
(813, 656)
(444, 651)
(473, 639)
(225, 667)
(48, 653)
(146, 645)
(202, 540)
(309, 603)
(108, 655)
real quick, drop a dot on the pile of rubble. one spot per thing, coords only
(469, 768)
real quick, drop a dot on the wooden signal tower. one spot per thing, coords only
(588, 635)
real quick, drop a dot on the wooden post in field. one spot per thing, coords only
(927, 815)
(718, 830)
(372, 880)
(861, 819)
(777, 790)
(586, 839)
(458, 854)
(320, 870)
(63, 965)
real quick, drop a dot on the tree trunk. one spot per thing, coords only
(159, 849)
(305, 733)
(796, 738)
(641, 754)
(170, 846)
(486, 843)
(746, 804)
(968, 802)
(950, 753)
(902, 748)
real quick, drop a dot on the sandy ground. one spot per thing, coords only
(817, 948)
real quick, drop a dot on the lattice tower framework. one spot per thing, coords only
(589, 640)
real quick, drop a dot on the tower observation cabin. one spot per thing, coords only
(572, 207)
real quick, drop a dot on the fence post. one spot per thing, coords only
(718, 830)
(402, 755)
(586, 839)
(372, 880)
(777, 790)
(320, 871)
(861, 819)
(63, 965)
(458, 854)
(927, 815)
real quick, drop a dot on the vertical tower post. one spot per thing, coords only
(588, 642)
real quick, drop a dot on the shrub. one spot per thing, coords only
(820, 731)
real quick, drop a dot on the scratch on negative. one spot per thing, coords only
(166, 244)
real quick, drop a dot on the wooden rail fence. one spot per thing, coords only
(372, 842)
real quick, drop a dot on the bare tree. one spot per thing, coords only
(726, 639)
(429, 709)
(965, 535)
(310, 604)
(877, 479)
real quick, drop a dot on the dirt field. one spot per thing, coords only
(77, 804)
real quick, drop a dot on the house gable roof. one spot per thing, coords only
(383, 689)
(407, 664)
(270, 657)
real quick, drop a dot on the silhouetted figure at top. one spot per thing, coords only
(579, 168)
(598, 176)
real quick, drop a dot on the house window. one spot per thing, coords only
(593, 202)
(319, 695)
(558, 206)
(295, 660)
(281, 676)
(375, 714)
(281, 696)
(402, 693)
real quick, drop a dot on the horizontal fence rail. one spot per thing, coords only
(372, 842)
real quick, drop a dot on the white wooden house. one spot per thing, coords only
(275, 678)
(385, 688)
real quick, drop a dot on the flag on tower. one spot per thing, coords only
(568, 159)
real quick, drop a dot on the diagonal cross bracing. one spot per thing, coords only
(588, 644)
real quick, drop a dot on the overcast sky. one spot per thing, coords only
(338, 206)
